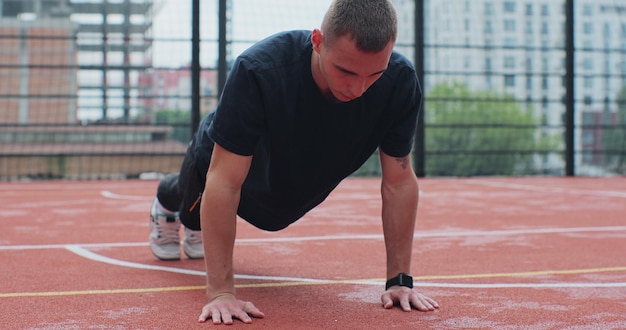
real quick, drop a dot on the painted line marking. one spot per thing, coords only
(277, 281)
(98, 292)
(295, 281)
(422, 234)
(112, 261)
(563, 285)
(112, 195)
(574, 191)
(116, 262)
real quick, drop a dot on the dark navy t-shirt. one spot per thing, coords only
(303, 144)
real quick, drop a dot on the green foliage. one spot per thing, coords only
(371, 167)
(179, 120)
(614, 137)
(480, 133)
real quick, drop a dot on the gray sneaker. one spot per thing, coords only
(192, 244)
(164, 237)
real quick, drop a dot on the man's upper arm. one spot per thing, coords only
(228, 167)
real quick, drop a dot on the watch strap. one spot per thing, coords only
(402, 279)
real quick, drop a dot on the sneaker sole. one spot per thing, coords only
(166, 258)
(191, 255)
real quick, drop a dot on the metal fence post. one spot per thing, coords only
(420, 149)
(222, 69)
(195, 67)
(569, 89)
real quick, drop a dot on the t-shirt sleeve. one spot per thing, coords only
(239, 117)
(407, 102)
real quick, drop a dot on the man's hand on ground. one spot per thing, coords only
(225, 308)
(406, 297)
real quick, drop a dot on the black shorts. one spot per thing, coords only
(191, 182)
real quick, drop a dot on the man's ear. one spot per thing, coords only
(317, 38)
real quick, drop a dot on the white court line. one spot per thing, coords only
(100, 258)
(112, 195)
(81, 251)
(556, 285)
(423, 234)
(509, 185)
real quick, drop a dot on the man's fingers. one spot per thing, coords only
(408, 299)
(423, 303)
(226, 317)
(405, 304)
(251, 310)
(226, 314)
(205, 315)
(432, 302)
(387, 301)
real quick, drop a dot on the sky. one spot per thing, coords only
(252, 20)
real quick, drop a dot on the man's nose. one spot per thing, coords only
(358, 87)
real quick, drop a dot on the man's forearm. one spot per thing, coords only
(218, 220)
(399, 213)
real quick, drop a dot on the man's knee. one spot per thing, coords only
(168, 193)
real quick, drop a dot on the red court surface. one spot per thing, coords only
(496, 253)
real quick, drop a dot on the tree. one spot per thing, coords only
(614, 138)
(480, 133)
(179, 120)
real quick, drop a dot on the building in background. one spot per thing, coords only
(65, 65)
(517, 48)
(38, 69)
(171, 89)
(97, 48)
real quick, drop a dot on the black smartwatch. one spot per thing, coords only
(401, 280)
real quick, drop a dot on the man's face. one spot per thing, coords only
(343, 72)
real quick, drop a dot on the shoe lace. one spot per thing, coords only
(193, 237)
(167, 231)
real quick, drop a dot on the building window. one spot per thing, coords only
(509, 25)
(545, 28)
(488, 27)
(588, 137)
(588, 82)
(509, 6)
(510, 43)
(588, 64)
(588, 28)
(529, 9)
(509, 62)
(529, 28)
(544, 82)
(545, 65)
(587, 10)
(545, 10)
(488, 8)
(509, 80)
